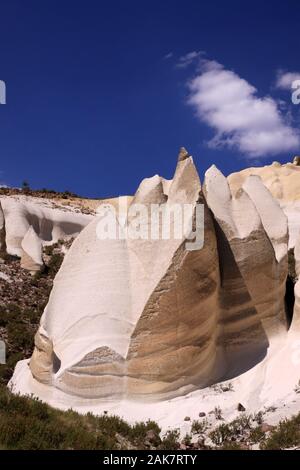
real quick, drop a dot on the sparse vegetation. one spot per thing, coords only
(199, 427)
(43, 193)
(223, 387)
(170, 440)
(241, 434)
(187, 440)
(27, 423)
(256, 435)
(284, 436)
(271, 409)
(221, 434)
(25, 187)
(258, 417)
(218, 413)
(21, 306)
(237, 431)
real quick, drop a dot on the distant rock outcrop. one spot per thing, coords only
(28, 223)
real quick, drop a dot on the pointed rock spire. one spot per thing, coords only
(296, 161)
(183, 154)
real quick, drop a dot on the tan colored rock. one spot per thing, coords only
(42, 360)
(183, 154)
(31, 258)
(136, 320)
(296, 161)
(283, 182)
(143, 325)
(251, 276)
(295, 326)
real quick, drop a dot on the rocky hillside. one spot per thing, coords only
(23, 298)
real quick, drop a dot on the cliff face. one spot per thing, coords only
(149, 319)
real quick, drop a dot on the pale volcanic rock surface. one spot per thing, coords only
(144, 328)
(283, 182)
(49, 223)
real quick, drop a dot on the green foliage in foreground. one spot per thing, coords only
(27, 423)
(285, 436)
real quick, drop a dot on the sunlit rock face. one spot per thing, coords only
(149, 319)
(27, 223)
(283, 182)
(252, 238)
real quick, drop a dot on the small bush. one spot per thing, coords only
(225, 387)
(171, 440)
(221, 434)
(258, 417)
(218, 413)
(199, 427)
(27, 423)
(256, 435)
(55, 263)
(287, 434)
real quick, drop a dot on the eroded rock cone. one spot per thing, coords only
(183, 154)
(296, 161)
(132, 318)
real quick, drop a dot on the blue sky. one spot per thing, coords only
(101, 94)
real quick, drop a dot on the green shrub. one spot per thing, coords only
(221, 434)
(170, 440)
(27, 423)
(287, 434)
(199, 427)
(256, 435)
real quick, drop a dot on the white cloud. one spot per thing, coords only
(285, 79)
(187, 59)
(168, 56)
(230, 105)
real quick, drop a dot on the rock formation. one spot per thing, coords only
(283, 183)
(32, 251)
(27, 223)
(296, 161)
(144, 327)
(145, 319)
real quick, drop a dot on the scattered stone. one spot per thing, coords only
(265, 427)
(5, 277)
(123, 443)
(202, 414)
(240, 407)
(187, 418)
